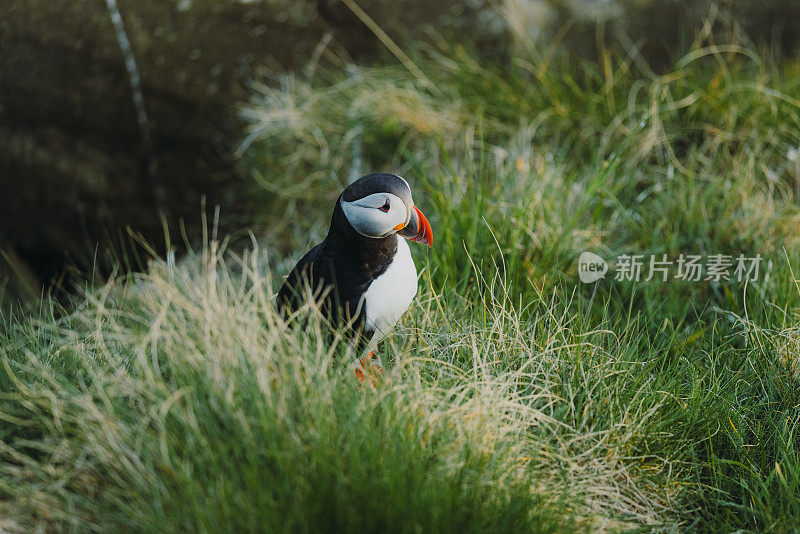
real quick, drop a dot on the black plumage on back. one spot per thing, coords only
(339, 271)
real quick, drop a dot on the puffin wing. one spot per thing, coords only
(339, 300)
(290, 294)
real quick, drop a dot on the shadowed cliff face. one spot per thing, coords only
(73, 169)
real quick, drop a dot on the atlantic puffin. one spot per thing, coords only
(361, 275)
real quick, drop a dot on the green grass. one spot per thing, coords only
(178, 400)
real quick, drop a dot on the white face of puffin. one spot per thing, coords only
(377, 215)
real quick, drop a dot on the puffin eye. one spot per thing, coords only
(385, 207)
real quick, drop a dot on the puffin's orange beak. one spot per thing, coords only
(418, 228)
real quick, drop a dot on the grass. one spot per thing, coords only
(516, 398)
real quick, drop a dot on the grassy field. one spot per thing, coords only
(516, 398)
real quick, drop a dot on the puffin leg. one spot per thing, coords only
(368, 368)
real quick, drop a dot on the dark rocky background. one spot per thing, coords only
(73, 170)
(74, 174)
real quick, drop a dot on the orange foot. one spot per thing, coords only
(367, 369)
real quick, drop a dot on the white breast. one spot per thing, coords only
(390, 295)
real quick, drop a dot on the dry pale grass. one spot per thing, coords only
(116, 388)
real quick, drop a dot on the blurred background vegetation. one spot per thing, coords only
(76, 186)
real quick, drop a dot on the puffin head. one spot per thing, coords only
(378, 205)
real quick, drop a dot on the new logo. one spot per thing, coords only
(591, 267)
